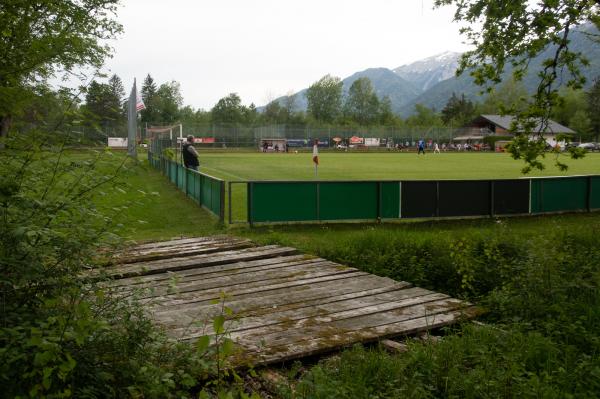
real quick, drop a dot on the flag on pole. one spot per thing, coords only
(316, 153)
(139, 103)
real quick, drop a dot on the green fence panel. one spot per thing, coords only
(215, 205)
(205, 196)
(283, 201)
(181, 173)
(390, 200)
(172, 172)
(348, 200)
(190, 185)
(595, 192)
(559, 194)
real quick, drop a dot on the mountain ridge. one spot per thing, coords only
(431, 81)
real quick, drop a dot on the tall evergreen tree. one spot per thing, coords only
(150, 114)
(103, 107)
(458, 110)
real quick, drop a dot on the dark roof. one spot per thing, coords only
(506, 121)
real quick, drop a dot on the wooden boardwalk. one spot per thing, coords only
(286, 305)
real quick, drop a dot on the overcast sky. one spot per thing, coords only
(263, 49)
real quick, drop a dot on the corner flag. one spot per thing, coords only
(316, 157)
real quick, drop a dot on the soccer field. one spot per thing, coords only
(382, 166)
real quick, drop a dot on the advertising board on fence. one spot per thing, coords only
(298, 143)
(117, 142)
(372, 142)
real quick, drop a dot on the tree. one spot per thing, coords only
(386, 115)
(580, 122)
(593, 108)
(274, 113)
(41, 37)
(571, 101)
(362, 104)
(228, 110)
(424, 116)
(508, 34)
(150, 114)
(168, 100)
(325, 99)
(458, 111)
(103, 106)
(509, 95)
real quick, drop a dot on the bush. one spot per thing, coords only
(476, 362)
(62, 335)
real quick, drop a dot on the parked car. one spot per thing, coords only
(589, 146)
(573, 144)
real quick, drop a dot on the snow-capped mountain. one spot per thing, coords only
(427, 72)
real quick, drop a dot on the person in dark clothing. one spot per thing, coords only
(190, 156)
(421, 147)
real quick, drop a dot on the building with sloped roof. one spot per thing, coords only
(497, 125)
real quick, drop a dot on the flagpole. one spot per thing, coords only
(132, 122)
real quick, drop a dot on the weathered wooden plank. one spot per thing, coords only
(184, 243)
(162, 266)
(284, 328)
(267, 277)
(242, 289)
(181, 252)
(325, 306)
(176, 241)
(335, 342)
(213, 271)
(286, 298)
(348, 322)
(182, 246)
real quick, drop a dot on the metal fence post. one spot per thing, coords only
(249, 188)
(437, 199)
(378, 202)
(229, 201)
(492, 186)
(589, 194)
(222, 202)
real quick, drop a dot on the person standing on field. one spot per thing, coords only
(190, 155)
(421, 147)
(436, 148)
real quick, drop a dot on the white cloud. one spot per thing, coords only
(265, 48)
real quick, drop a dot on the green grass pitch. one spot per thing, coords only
(382, 166)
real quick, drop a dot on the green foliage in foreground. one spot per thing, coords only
(61, 334)
(475, 362)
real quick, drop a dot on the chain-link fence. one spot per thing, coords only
(226, 136)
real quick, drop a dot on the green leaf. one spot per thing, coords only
(202, 343)
(218, 323)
